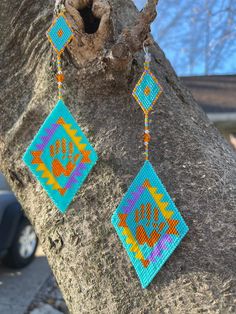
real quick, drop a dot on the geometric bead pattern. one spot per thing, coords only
(60, 156)
(59, 34)
(148, 224)
(147, 91)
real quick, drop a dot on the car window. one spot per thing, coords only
(4, 186)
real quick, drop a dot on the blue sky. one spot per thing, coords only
(198, 37)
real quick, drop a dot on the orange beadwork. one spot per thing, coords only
(147, 91)
(60, 33)
(60, 77)
(146, 138)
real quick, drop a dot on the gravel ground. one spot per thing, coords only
(48, 300)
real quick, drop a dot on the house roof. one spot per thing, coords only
(215, 94)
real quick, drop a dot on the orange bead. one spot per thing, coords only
(146, 137)
(60, 77)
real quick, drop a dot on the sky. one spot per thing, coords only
(198, 37)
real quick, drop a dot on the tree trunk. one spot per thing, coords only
(190, 156)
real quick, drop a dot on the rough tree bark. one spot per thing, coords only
(194, 162)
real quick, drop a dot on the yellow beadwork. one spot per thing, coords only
(60, 33)
(146, 137)
(146, 93)
(60, 77)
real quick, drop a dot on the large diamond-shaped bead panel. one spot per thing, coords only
(147, 91)
(148, 224)
(60, 156)
(60, 34)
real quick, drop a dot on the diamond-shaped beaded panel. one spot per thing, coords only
(148, 224)
(59, 34)
(147, 91)
(60, 156)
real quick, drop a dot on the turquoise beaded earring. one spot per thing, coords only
(147, 221)
(60, 155)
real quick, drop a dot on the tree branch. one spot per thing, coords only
(85, 47)
(132, 38)
(141, 30)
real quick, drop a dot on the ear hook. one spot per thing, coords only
(59, 6)
(147, 54)
(145, 48)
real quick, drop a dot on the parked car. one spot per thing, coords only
(18, 241)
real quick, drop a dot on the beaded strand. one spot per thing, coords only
(59, 77)
(146, 137)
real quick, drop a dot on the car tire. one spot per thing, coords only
(22, 250)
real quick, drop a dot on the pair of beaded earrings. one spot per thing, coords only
(61, 157)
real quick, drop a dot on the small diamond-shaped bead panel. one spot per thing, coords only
(60, 156)
(148, 224)
(147, 91)
(59, 34)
